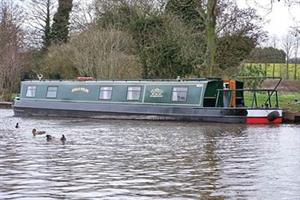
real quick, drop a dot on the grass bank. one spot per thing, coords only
(286, 100)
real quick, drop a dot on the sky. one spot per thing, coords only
(281, 19)
(278, 17)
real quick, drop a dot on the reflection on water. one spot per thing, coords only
(147, 160)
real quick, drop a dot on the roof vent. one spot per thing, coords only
(40, 76)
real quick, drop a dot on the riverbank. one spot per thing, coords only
(5, 105)
(291, 117)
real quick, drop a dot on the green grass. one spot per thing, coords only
(286, 100)
(279, 69)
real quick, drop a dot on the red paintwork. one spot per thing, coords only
(263, 120)
(80, 78)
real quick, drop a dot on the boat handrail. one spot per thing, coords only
(247, 90)
(254, 104)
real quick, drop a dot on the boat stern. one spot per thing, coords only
(264, 116)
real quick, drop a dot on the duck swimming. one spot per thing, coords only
(49, 138)
(35, 132)
(63, 139)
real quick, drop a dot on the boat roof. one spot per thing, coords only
(146, 81)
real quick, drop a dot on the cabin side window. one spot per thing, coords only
(134, 93)
(105, 93)
(31, 90)
(179, 94)
(52, 92)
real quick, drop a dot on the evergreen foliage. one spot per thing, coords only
(186, 10)
(232, 50)
(47, 28)
(60, 26)
(267, 55)
(160, 40)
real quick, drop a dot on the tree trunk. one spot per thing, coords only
(266, 70)
(287, 68)
(211, 35)
(295, 76)
(47, 30)
(296, 60)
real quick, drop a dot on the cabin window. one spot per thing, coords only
(179, 93)
(133, 93)
(31, 91)
(52, 92)
(105, 93)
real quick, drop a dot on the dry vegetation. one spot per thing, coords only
(11, 38)
(103, 54)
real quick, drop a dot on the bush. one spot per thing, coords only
(253, 76)
(103, 54)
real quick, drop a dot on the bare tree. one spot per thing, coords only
(40, 14)
(208, 12)
(82, 16)
(11, 42)
(273, 43)
(268, 5)
(296, 34)
(104, 54)
(287, 44)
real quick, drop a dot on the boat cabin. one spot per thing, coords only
(192, 92)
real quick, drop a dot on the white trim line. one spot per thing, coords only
(262, 113)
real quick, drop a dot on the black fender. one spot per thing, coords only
(273, 115)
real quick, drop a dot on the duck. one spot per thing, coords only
(49, 138)
(17, 125)
(35, 132)
(63, 138)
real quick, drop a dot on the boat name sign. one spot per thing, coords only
(157, 93)
(80, 89)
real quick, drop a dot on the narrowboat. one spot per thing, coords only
(204, 100)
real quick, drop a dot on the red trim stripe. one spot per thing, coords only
(263, 120)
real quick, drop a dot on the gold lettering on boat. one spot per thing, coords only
(156, 92)
(80, 89)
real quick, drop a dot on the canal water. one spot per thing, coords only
(104, 159)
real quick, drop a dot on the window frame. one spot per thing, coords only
(52, 97)
(132, 92)
(178, 99)
(102, 90)
(34, 93)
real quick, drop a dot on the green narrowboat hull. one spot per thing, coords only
(181, 100)
(129, 111)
